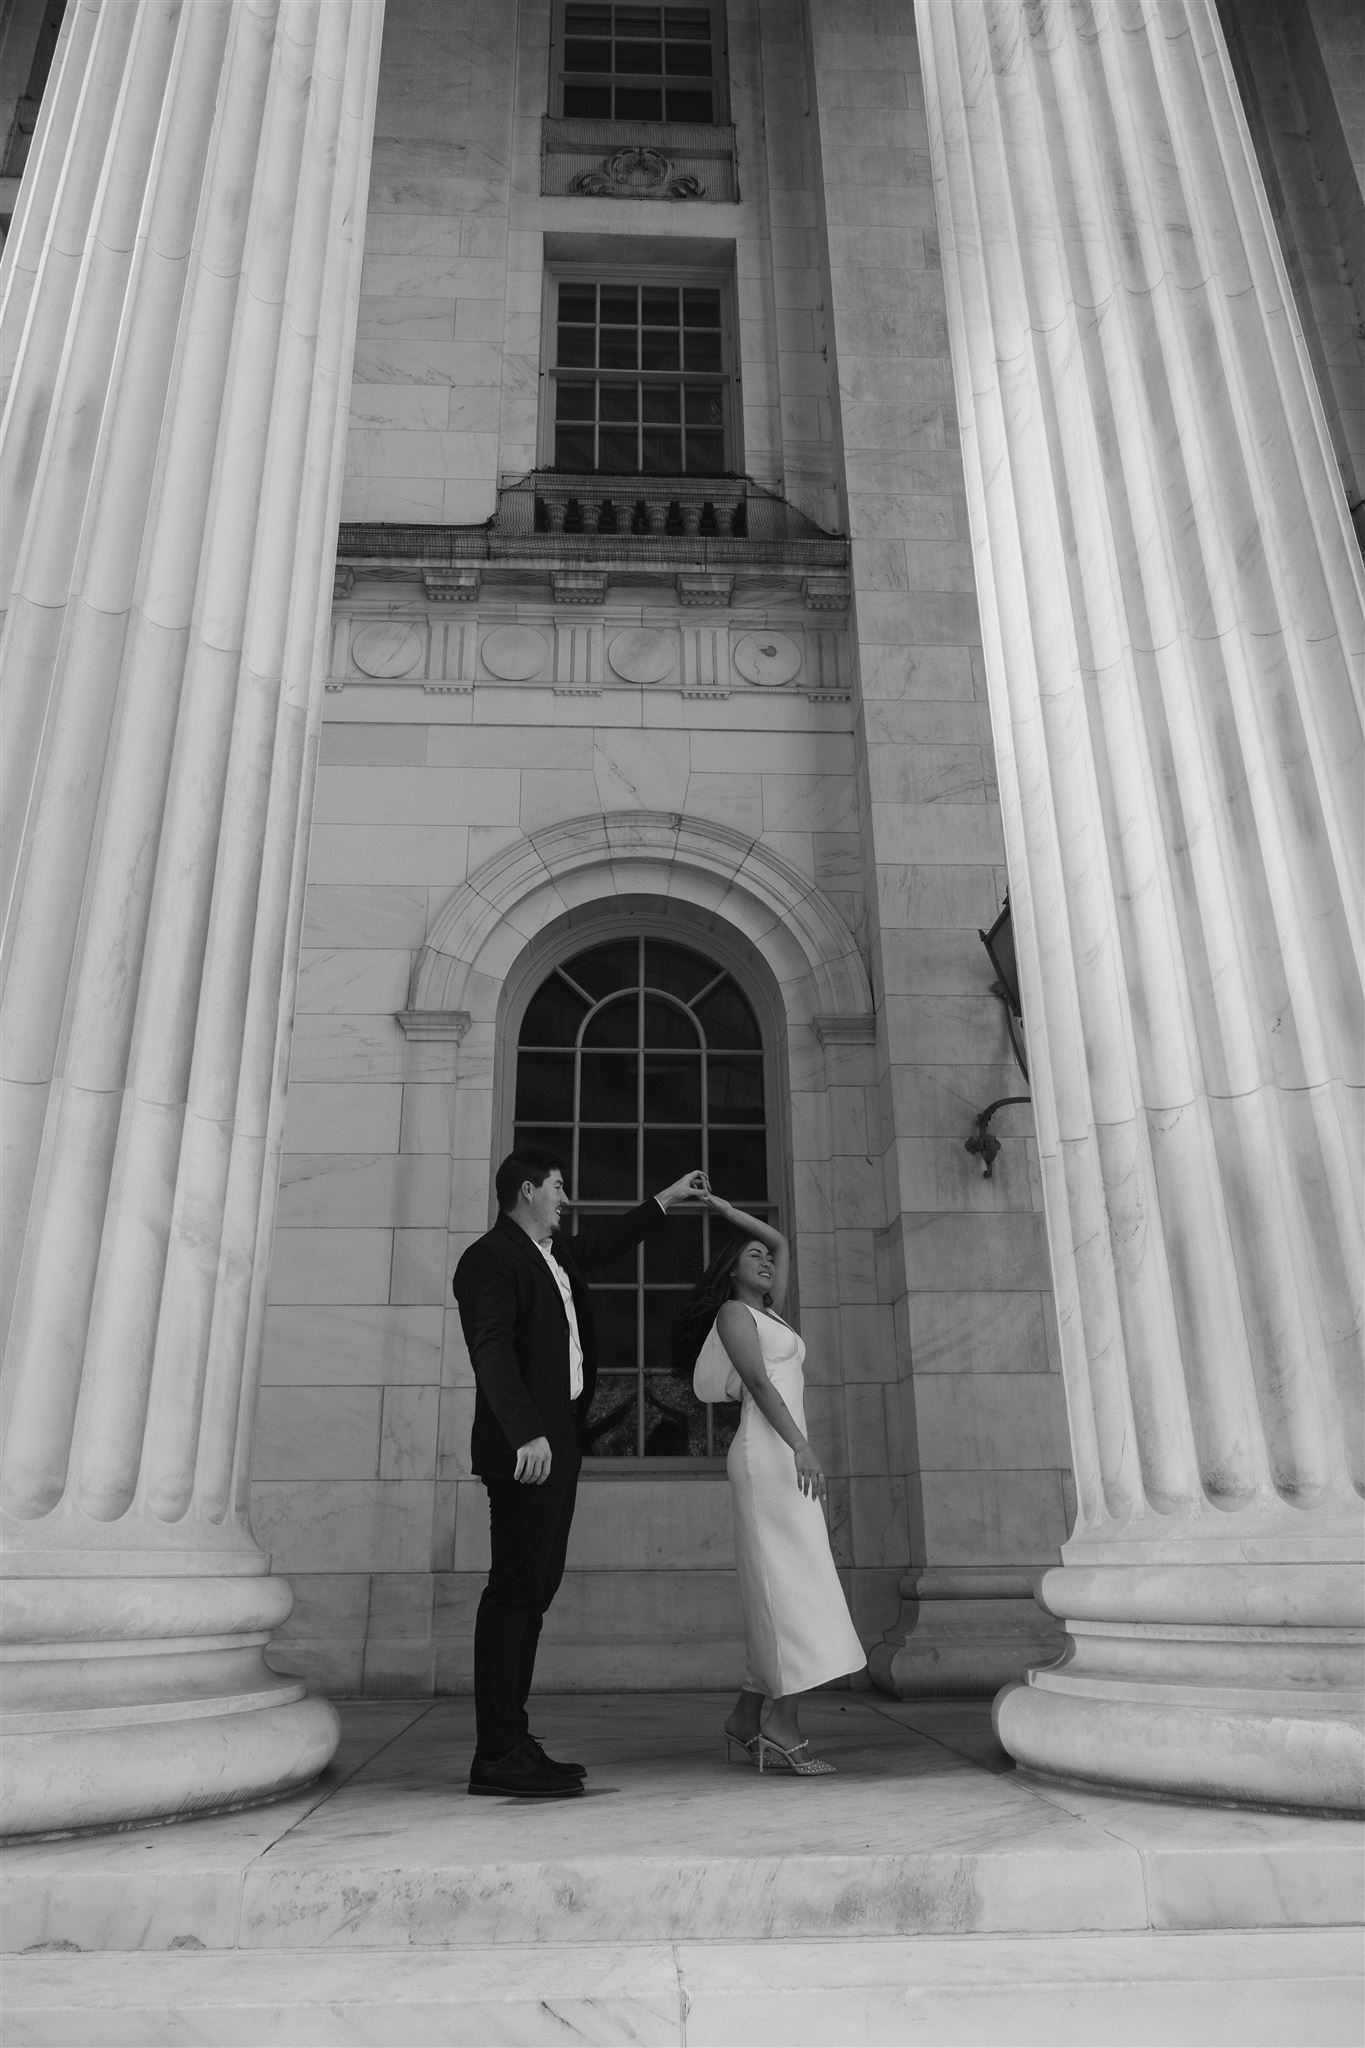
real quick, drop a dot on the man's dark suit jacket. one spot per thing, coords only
(514, 1323)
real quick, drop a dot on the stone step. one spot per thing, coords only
(1249, 1989)
(926, 1830)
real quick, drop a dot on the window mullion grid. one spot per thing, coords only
(639, 994)
(615, 80)
(577, 1106)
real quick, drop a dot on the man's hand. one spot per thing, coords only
(533, 1462)
(691, 1187)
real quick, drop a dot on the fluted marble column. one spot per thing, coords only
(1172, 608)
(181, 290)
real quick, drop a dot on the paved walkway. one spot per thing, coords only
(928, 1893)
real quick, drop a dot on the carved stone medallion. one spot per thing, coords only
(767, 658)
(638, 174)
(387, 649)
(641, 656)
(514, 654)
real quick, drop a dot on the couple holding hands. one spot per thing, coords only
(526, 1313)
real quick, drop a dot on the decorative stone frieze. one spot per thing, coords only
(590, 649)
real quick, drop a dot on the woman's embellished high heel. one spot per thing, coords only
(748, 1748)
(791, 1759)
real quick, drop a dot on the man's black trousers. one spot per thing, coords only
(530, 1537)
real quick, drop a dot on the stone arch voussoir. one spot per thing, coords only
(490, 918)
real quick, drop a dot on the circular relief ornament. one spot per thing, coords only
(392, 649)
(767, 658)
(641, 656)
(514, 653)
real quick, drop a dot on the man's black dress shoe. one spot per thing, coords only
(522, 1774)
(579, 1771)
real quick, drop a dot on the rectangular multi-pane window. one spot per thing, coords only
(639, 379)
(640, 64)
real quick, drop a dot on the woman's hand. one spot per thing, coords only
(693, 1187)
(717, 1203)
(809, 1476)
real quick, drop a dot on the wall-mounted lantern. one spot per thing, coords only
(999, 944)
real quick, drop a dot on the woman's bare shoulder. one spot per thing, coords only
(734, 1316)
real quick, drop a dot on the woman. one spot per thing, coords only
(796, 1621)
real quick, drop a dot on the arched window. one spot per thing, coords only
(637, 1061)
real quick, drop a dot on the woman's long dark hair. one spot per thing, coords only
(704, 1304)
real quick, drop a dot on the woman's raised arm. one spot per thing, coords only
(765, 1233)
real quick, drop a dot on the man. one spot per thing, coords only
(527, 1319)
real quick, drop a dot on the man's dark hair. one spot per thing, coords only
(528, 1162)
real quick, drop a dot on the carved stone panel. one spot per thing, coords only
(769, 659)
(675, 160)
(642, 656)
(514, 654)
(392, 648)
(584, 650)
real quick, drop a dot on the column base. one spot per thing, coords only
(1234, 1684)
(123, 1773)
(963, 1633)
(140, 1699)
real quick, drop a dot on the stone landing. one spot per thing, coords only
(385, 1905)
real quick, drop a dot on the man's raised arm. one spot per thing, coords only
(604, 1238)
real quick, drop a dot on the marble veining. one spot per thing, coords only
(926, 1829)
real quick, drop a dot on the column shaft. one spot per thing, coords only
(1172, 618)
(171, 447)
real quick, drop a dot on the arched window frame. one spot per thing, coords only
(675, 924)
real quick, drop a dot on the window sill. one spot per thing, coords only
(653, 1468)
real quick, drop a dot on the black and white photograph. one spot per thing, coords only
(682, 1025)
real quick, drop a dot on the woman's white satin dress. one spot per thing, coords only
(797, 1625)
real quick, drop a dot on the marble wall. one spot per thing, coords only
(361, 1478)
(867, 782)
(963, 1263)
(447, 371)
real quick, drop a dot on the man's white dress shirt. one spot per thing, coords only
(546, 1249)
